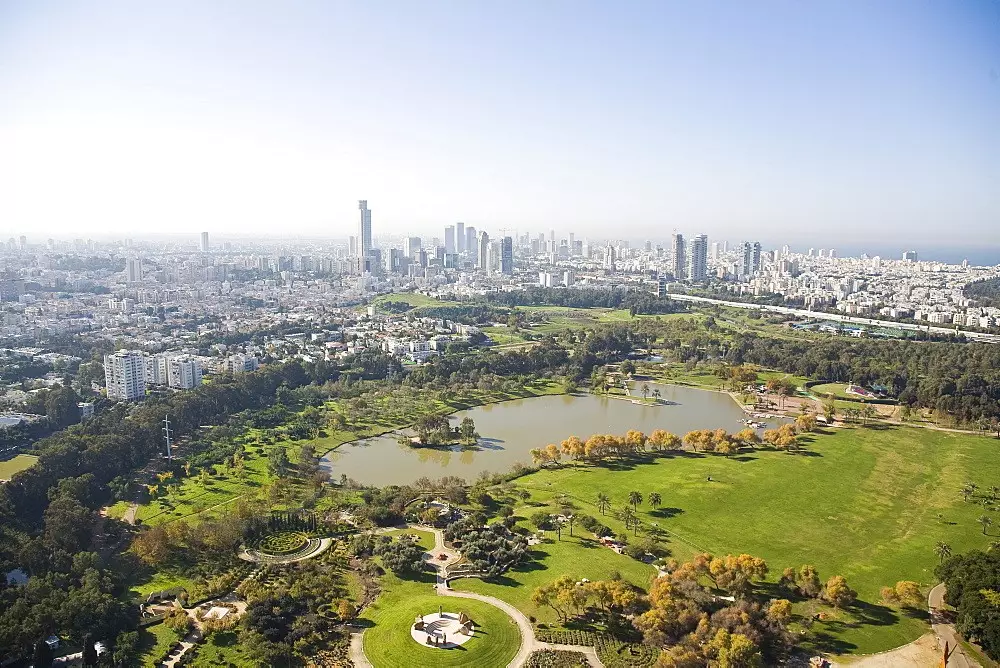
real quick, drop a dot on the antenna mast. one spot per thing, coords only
(166, 434)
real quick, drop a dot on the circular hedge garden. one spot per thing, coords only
(283, 542)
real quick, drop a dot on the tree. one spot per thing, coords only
(467, 430)
(635, 498)
(603, 502)
(837, 593)
(969, 490)
(655, 500)
(806, 423)
(942, 550)
(985, 521)
(277, 461)
(830, 409)
(780, 610)
(89, 651)
(42, 656)
(808, 581)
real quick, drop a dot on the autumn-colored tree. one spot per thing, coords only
(806, 423)
(734, 650)
(152, 546)
(808, 581)
(780, 610)
(736, 574)
(595, 447)
(573, 447)
(748, 437)
(552, 453)
(635, 440)
(837, 593)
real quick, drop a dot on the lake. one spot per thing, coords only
(510, 430)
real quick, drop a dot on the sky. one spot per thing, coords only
(835, 123)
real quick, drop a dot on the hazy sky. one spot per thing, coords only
(814, 121)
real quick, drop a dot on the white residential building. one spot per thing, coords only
(125, 375)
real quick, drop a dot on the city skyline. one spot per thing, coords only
(111, 126)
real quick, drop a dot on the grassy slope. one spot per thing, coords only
(154, 642)
(388, 643)
(580, 556)
(867, 504)
(16, 464)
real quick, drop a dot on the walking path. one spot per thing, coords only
(529, 643)
(945, 630)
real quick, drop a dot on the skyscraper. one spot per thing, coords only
(449, 239)
(125, 375)
(507, 256)
(678, 263)
(365, 228)
(699, 258)
(204, 242)
(460, 239)
(484, 251)
(470, 240)
(133, 270)
(410, 246)
(751, 259)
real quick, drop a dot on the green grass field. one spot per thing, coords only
(388, 643)
(18, 463)
(864, 503)
(580, 556)
(425, 539)
(154, 642)
(414, 299)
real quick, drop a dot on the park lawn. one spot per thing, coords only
(580, 556)
(16, 464)
(388, 643)
(868, 504)
(414, 299)
(154, 643)
(425, 539)
(223, 649)
(161, 580)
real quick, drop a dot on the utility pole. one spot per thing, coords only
(166, 434)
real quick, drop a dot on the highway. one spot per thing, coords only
(837, 317)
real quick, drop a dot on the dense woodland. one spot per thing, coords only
(986, 292)
(973, 587)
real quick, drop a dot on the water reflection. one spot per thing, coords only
(511, 429)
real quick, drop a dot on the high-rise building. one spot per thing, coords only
(204, 242)
(183, 373)
(460, 239)
(484, 251)
(750, 263)
(698, 270)
(572, 243)
(910, 255)
(133, 270)
(470, 241)
(352, 246)
(715, 250)
(365, 229)
(507, 256)
(449, 239)
(125, 375)
(678, 263)
(410, 246)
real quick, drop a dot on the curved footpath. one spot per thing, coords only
(529, 643)
(945, 630)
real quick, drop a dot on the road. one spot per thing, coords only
(819, 315)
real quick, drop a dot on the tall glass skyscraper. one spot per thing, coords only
(365, 236)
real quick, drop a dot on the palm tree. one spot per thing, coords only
(645, 392)
(968, 489)
(656, 394)
(603, 502)
(635, 498)
(629, 518)
(655, 500)
(994, 491)
(570, 519)
(986, 522)
(943, 550)
(656, 534)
